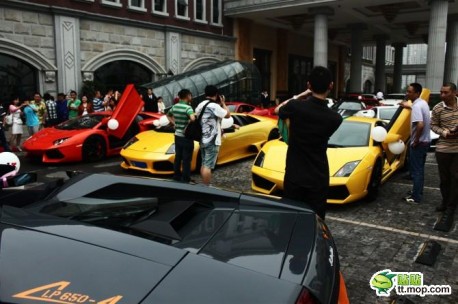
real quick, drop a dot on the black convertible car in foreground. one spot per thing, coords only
(110, 239)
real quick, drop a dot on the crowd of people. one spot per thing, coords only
(47, 111)
(307, 172)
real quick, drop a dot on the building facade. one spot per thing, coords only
(56, 46)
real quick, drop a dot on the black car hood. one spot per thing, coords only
(254, 249)
(37, 267)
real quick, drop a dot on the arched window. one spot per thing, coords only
(17, 79)
(117, 74)
(368, 86)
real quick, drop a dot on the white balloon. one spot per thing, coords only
(8, 158)
(163, 121)
(156, 123)
(113, 124)
(227, 123)
(379, 133)
(396, 147)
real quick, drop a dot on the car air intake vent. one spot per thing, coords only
(169, 219)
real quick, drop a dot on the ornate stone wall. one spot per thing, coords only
(98, 37)
(32, 29)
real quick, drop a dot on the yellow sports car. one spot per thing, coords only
(357, 163)
(154, 151)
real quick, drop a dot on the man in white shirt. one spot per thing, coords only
(214, 112)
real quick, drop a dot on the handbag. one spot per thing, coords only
(9, 119)
(194, 128)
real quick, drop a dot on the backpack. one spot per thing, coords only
(194, 128)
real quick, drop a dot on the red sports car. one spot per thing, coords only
(246, 108)
(89, 137)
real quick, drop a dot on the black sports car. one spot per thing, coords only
(109, 239)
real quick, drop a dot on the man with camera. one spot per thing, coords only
(212, 117)
(444, 121)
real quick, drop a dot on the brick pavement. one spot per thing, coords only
(384, 234)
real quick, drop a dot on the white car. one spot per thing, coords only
(393, 99)
(386, 112)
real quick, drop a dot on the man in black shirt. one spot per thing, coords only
(150, 102)
(311, 125)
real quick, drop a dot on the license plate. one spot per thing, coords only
(139, 164)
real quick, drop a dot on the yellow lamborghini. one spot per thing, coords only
(357, 163)
(154, 151)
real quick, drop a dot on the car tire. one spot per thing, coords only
(406, 166)
(375, 181)
(94, 149)
(198, 162)
(274, 134)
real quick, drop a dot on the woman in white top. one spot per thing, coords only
(17, 127)
(160, 105)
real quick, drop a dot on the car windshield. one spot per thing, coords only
(349, 105)
(91, 209)
(386, 113)
(82, 122)
(351, 134)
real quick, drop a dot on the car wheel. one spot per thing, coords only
(375, 181)
(94, 149)
(274, 134)
(406, 165)
(198, 162)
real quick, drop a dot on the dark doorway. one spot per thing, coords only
(117, 74)
(17, 79)
(262, 60)
(298, 71)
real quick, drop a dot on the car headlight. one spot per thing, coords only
(130, 142)
(171, 149)
(259, 161)
(347, 169)
(61, 141)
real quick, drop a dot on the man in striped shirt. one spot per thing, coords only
(444, 121)
(180, 115)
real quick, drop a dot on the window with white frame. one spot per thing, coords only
(217, 12)
(116, 3)
(160, 7)
(199, 10)
(138, 5)
(181, 9)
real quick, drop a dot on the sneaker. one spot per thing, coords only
(410, 199)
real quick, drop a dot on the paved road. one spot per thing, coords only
(371, 236)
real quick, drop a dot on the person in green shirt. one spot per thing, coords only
(180, 115)
(73, 104)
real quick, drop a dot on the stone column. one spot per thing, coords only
(320, 45)
(436, 44)
(68, 53)
(397, 70)
(356, 65)
(451, 55)
(282, 60)
(244, 49)
(173, 52)
(380, 78)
